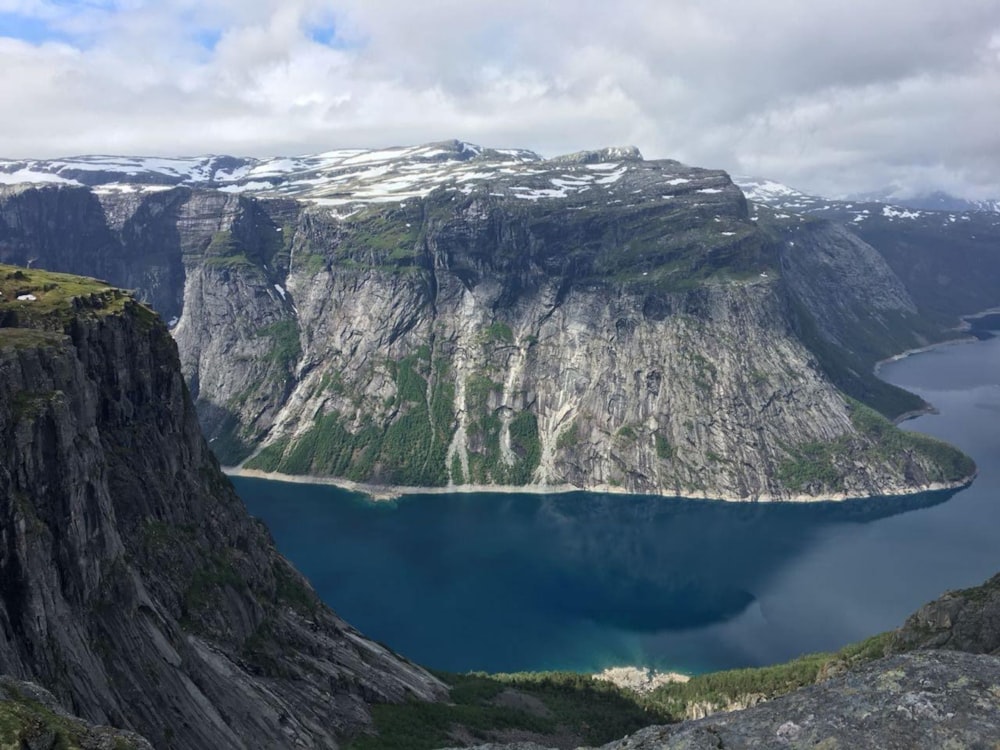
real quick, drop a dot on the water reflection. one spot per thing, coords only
(489, 581)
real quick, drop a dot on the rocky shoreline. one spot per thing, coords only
(384, 493)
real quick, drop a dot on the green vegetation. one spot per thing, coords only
(818, 465)
(291, 589)
(498, 332)
(811, 465)
(723, 688)
(664, 450)
(542, 705)
(285, 346)
(58, 297)
(410, 450)
(223, 243)
(947, 463)
(313, 263)
(385, 238)
(29, 404)
(269, 458)
(478, 389)
(26, 723)
(626, 432)
(526, 446)
(570, 436)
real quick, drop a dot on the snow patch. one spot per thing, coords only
(892, 213)
(27, 175)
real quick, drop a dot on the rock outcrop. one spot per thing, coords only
(32, 719)
(917, 701)
(966, 620)
(133, 584)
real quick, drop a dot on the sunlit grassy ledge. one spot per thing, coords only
(380, 492)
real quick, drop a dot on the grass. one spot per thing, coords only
(58, 298)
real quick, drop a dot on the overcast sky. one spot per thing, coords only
(834, 97)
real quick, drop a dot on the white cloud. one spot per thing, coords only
(828, 96)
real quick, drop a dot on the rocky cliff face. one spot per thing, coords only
(460, 317)
(133, 584)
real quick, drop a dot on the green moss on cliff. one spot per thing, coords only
(409, 450)
(25, 723)
(822, 466)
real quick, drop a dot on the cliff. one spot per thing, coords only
(133, 584)
(452, 317)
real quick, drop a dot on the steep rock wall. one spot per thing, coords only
(134, 584)
(641, 335)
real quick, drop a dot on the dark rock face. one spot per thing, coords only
(966, 620)
(925, 700)
(134, 585)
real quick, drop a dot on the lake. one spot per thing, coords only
(584, 581)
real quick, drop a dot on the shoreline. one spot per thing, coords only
(641, 680)
(922, 350)
(381, 493)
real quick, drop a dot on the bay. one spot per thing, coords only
(584, 581)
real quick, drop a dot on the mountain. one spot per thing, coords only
(948, 260)
(448, 315)
(937, 200)
(133, 584)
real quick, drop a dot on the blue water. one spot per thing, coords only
(583, 581)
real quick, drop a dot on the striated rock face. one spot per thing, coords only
(456, 316)
(133, 584)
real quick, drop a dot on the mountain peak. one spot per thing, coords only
(612, 153)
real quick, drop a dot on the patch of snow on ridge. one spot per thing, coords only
(613, 177)
(246, 186)
(28, 175)
(894, 213)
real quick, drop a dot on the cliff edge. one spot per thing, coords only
(133, 584)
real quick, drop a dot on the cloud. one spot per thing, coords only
(835, 97)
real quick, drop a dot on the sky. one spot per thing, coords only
(835, 97)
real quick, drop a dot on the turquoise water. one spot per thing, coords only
(583, 581)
